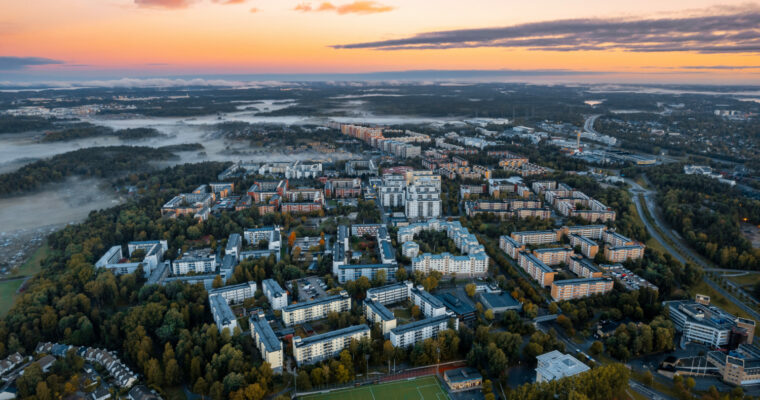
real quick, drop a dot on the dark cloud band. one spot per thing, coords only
(735, 32)
(8, 63)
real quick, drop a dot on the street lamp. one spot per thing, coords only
(366, 371)
(438, 360)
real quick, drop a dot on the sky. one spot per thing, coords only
(673, 41)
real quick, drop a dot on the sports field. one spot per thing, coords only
(425, 388)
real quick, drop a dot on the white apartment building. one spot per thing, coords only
(222, 313)
(270, 234)
(430, 306)
(201, 261)
(278, 298)
(234, 245)
(266, 341)
(316, 309)
(449, 264)
(380, 315)
(393, 293)
(535, 237)
(392, 193)
(410, 334)
(422, 201)
(510, 246)
(327, 345)
(235, 293)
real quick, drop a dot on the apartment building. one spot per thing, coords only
(200, 261)
(315, 309)
(449, 264)
(345, 271)
(235, 293)
(266, 341)
(536, 237)
(415, 332)
(588, 231)
(343, 187)
(570, 289)
(234, 245)
(542, 273)
(540, 213)
(271, 234)
(422, 201)
(222, 313)
(589, 248)
(615, 239)
(327, 345)
(393, 293)
(278, 298)
(615, 254)
(378, 314)
(710, 325)
(584, 268)
(430, 306)
(554, 256)
(196, 204)
(595, 215)
(510, 246)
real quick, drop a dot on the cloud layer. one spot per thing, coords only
(8, 63)
(357, 7)
(734, 32)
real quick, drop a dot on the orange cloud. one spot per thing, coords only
(255, 10)
(357, 7)
(164, 3)
(229, 1)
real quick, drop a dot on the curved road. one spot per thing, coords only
(635, 190)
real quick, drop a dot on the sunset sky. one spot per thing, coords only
(698, 41)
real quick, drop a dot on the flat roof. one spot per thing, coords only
(220, 307)
(584, 239)
(627, 247)
(419, 324)
(428, 298)
(379, 309)
(501, 300)
(386, 288)
(462, 374)
(272, 286)
(224, 289)
(584, 227)
(553, 250)
(523, 233)
(555, 365)
(586, 263)
(312, 303)
(580, 280)
(540, 264)
(331, 335)
(454, 303)
(264, 330)
(511, 240)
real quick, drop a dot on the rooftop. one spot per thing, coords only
(455, 304)
(400, 330)
(315, 302)
(264, 330)
(379, 309)
(555, 365)
(493, 300)
(351, 330)
(462, 374)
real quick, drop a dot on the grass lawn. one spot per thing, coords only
(427, 388)
(32, 265)
(749, 279)
(8, 294)
(718, 300)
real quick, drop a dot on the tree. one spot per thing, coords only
(218, 282)
(200, 387)
(304, 383)
(596, 348)
(380, 278)
(489, 315)
(172, 375)
(401, 274)
(153, 373)
(415, 312)
(291, 238)
(471, 289)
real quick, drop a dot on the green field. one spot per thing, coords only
(427, 388)
(8, 294)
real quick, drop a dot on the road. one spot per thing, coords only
(648, 392)
(588, 126)
(635, 190)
